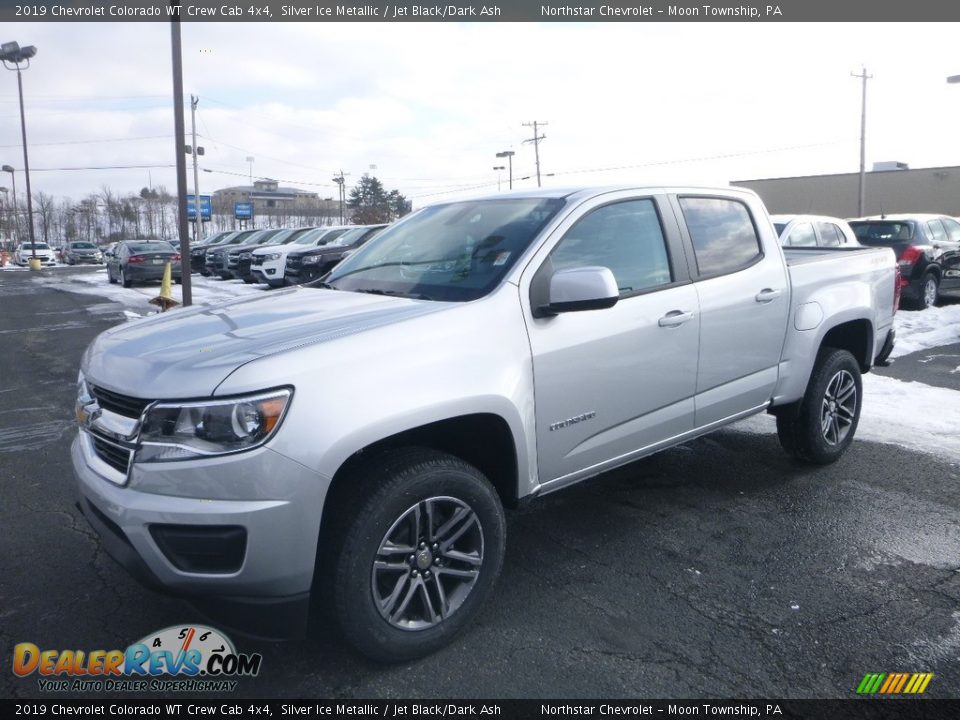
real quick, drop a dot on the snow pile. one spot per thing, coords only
(136, 298)
(925, 329)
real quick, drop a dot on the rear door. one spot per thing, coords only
(743, 292)
(611, 382)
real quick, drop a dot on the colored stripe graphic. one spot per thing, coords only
(894, 683)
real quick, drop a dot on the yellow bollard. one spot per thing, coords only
(165, 298)
(35, 263)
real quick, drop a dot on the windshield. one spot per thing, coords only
(455, 252)
(83, 246)
(36, 246)
(882, 232)
(309, 236)
(349, 237)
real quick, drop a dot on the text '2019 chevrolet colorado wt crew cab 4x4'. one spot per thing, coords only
(356, 441)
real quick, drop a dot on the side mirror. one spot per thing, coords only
(584, 288)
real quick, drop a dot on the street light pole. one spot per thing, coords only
(498, 168)
(508, 154)
(863, 140)
(11, 52)
(179, 130)
(16, 217)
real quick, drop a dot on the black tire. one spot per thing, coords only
(124, 281)
(248, 280)
(110, 278)
(929, 291)
(803, 427)
(399, 484)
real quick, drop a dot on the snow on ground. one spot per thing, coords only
(928, 328)
(136, 299)
(908, 414)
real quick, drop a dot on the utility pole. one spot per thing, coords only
(863, 140)
(197, 215)
(339, 180)
(176, 54)
(536, 143)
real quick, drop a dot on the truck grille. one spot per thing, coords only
(125, 405)
(116, 457)
(294, 262)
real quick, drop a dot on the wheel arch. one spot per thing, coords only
(854, 336)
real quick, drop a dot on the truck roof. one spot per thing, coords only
(584, 192)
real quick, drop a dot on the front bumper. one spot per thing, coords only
(270, 272)
(276, 501)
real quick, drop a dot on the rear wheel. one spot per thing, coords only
(418, 556)
(123, 279)
(929, 291)
(820, 427)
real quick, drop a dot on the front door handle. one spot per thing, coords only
(675, 318)
(768, 294)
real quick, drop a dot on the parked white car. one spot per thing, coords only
(22, 254)
(268, 263)
(813, 231)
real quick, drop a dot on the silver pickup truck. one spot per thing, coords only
(350, 445)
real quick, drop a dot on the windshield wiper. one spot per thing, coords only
(393, 293)
(394, 264)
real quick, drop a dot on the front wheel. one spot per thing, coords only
(419, 555)
(820, 427)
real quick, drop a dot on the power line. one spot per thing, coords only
(101, 167)
(92, 142)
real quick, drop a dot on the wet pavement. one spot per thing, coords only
(718, 568)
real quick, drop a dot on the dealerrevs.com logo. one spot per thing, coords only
(185, 658)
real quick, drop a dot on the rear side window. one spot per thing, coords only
(723, 234)
(936, 230)
(801, 236)
(625, 237)
(830, 235)
(953, 229)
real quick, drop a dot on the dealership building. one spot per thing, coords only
(891, 187)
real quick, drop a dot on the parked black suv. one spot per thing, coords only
(927, 249)
(198, 253)
(306, 265)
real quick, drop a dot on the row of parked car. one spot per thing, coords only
(279, 257)
(927, 247)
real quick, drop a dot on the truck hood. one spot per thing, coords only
(188, 353)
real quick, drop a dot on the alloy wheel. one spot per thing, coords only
(427, 564)
(839, 407)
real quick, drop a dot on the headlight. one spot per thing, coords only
(312, 259)
(182, 431)
(272, 256)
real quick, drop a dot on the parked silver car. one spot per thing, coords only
(82, 251)
(359, 439)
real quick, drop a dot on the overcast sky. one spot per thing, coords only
(430, 104)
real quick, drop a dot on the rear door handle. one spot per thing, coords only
(675, 318)
(768, 294)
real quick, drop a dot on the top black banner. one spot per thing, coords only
(459, 11)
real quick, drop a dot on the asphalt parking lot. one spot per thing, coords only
(717, 569)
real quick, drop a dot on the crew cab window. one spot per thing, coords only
(801, 236)
(936, 231)
(830, 235)
(723, 235)
(625, 237)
